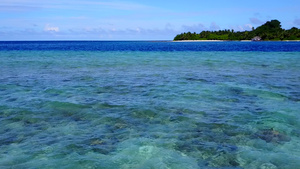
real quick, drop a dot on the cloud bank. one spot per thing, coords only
(55, 33)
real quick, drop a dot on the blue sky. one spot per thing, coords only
(136, 20)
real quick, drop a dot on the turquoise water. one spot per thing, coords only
(154, 109)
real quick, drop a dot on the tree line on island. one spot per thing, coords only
(271, 30)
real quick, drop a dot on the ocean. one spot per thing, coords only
(143, 104)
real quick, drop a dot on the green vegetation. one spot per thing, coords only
(271, 30)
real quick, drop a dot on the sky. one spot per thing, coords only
(136, 20)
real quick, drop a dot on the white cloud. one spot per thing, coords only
(246, 27)
(297, 21)
(169, 26)
(138, 30)
(49, 28)
(255, 21)
(214, 26)
(194, 28)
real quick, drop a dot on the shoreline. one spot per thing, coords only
(235, 41)
(199, 40)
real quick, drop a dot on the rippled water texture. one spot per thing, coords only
(149, 109)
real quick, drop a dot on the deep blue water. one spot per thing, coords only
(150, 105)
(150, 46)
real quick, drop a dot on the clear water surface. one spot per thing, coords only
(150, 105)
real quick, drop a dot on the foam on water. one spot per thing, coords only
(132, 109)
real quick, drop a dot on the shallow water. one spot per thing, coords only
(149, 109)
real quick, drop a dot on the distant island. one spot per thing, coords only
(271, 30)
